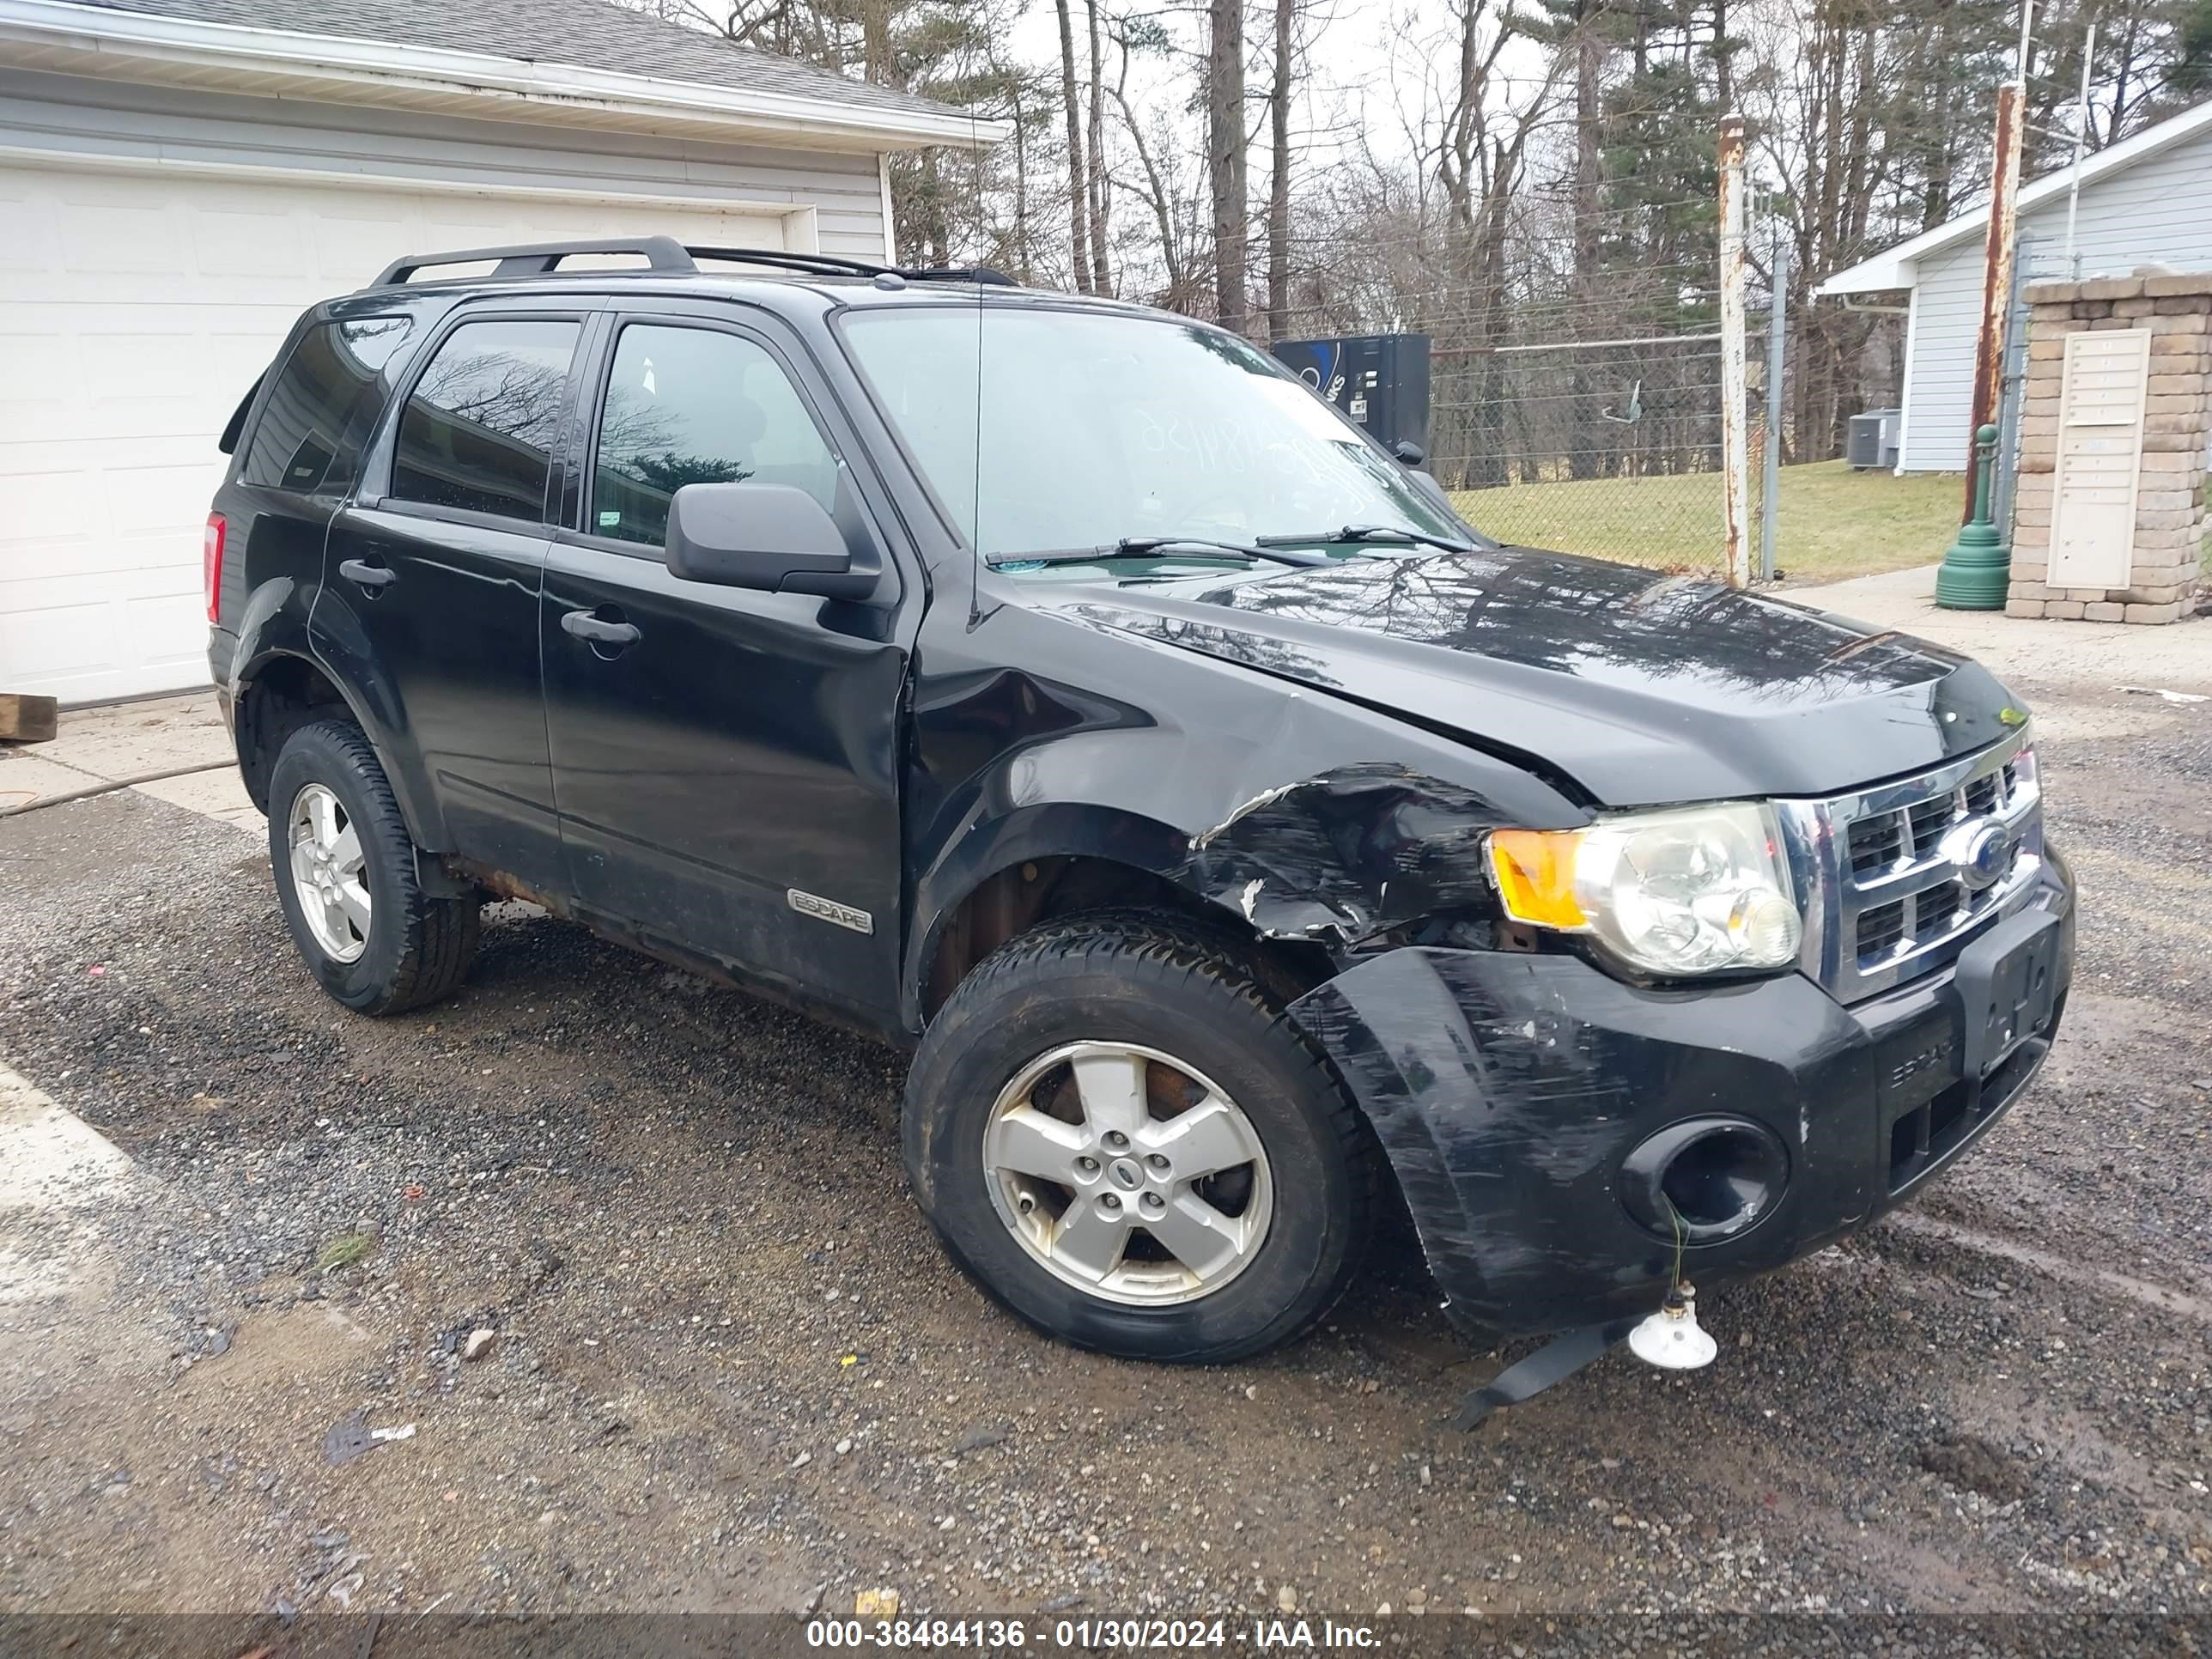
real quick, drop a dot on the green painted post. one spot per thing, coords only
(1977, 566)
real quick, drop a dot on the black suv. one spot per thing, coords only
(1061, 690)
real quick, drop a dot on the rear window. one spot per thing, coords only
(318, 415)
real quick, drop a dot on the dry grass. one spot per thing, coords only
(1831, 522)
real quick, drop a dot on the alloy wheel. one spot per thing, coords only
(328, 874)
(1128, 1174)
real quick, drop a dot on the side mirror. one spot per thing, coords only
(1408, 452)
(769, 537)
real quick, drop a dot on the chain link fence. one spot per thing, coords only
(1582, 369)
(1580, 366)
(1610, 446)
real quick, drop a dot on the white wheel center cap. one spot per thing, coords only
(1126, 1175)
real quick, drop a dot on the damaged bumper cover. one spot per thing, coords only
(1517, 1096)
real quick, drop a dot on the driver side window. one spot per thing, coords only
(694, 405)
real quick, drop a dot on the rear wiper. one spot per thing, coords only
(1131, 547)
(1367, 533)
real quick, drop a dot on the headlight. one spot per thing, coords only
(1700, 890)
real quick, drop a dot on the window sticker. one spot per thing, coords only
(609, 517)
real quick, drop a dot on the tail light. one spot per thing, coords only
(211, 565)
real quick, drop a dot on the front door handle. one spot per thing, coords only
(585, 626)
(366, 575)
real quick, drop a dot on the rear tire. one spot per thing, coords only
(1021, 1068)
(348, 880)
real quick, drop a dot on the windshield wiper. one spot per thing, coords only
(1133, 547)
(1262, 547)
(1367, 533)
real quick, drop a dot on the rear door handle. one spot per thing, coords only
(585, 626)
(369, 575)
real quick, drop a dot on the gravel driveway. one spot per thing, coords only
(729, 1370)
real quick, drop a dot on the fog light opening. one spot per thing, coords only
(1721, 1181)
(1708, 1179)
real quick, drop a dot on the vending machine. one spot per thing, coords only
(1379, 380)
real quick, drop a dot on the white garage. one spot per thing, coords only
(174, 190)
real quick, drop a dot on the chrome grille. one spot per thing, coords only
(1898, 878)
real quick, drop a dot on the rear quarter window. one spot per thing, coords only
(319, 413)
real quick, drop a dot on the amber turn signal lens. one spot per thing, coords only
(1535, 874)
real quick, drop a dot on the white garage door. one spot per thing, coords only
(135, 310)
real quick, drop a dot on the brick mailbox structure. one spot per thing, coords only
(2108, 513)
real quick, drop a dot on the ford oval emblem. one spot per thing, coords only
(1984, 856)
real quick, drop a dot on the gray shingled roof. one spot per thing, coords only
(596, 34)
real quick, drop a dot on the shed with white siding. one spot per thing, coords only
(179, 179)
(2146, 201)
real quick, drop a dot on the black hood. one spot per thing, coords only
(1641, 687)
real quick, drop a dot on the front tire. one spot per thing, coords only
(348, 878)
(1119, 1135)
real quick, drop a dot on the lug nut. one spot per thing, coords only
(1157, 1161)
(1116, 1140)
(1088, 1165)
(1109, 1201)
(1154, 1203)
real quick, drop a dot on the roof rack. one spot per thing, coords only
(834, 264)
(665, 253)
(982, 274)
(541, 258)
(822, 264)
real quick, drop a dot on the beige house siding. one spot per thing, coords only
(67, 117)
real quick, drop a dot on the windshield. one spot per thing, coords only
(1096, 429)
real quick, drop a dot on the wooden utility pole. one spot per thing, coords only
(1996, 278)
(1735, 447)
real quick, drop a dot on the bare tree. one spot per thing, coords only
(1589, 49)
(876, 64)
(1478, 151)
(1021, 265)
(1153, 188)
(1279, 182)
(1078, 215)
(1095, 166)
(1226, 163)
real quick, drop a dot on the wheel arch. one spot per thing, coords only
(277, 688)
(1041, 862)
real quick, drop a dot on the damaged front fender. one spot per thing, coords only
(1340, 857)
(1265, 799)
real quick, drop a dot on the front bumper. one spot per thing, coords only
(1508, 1089)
